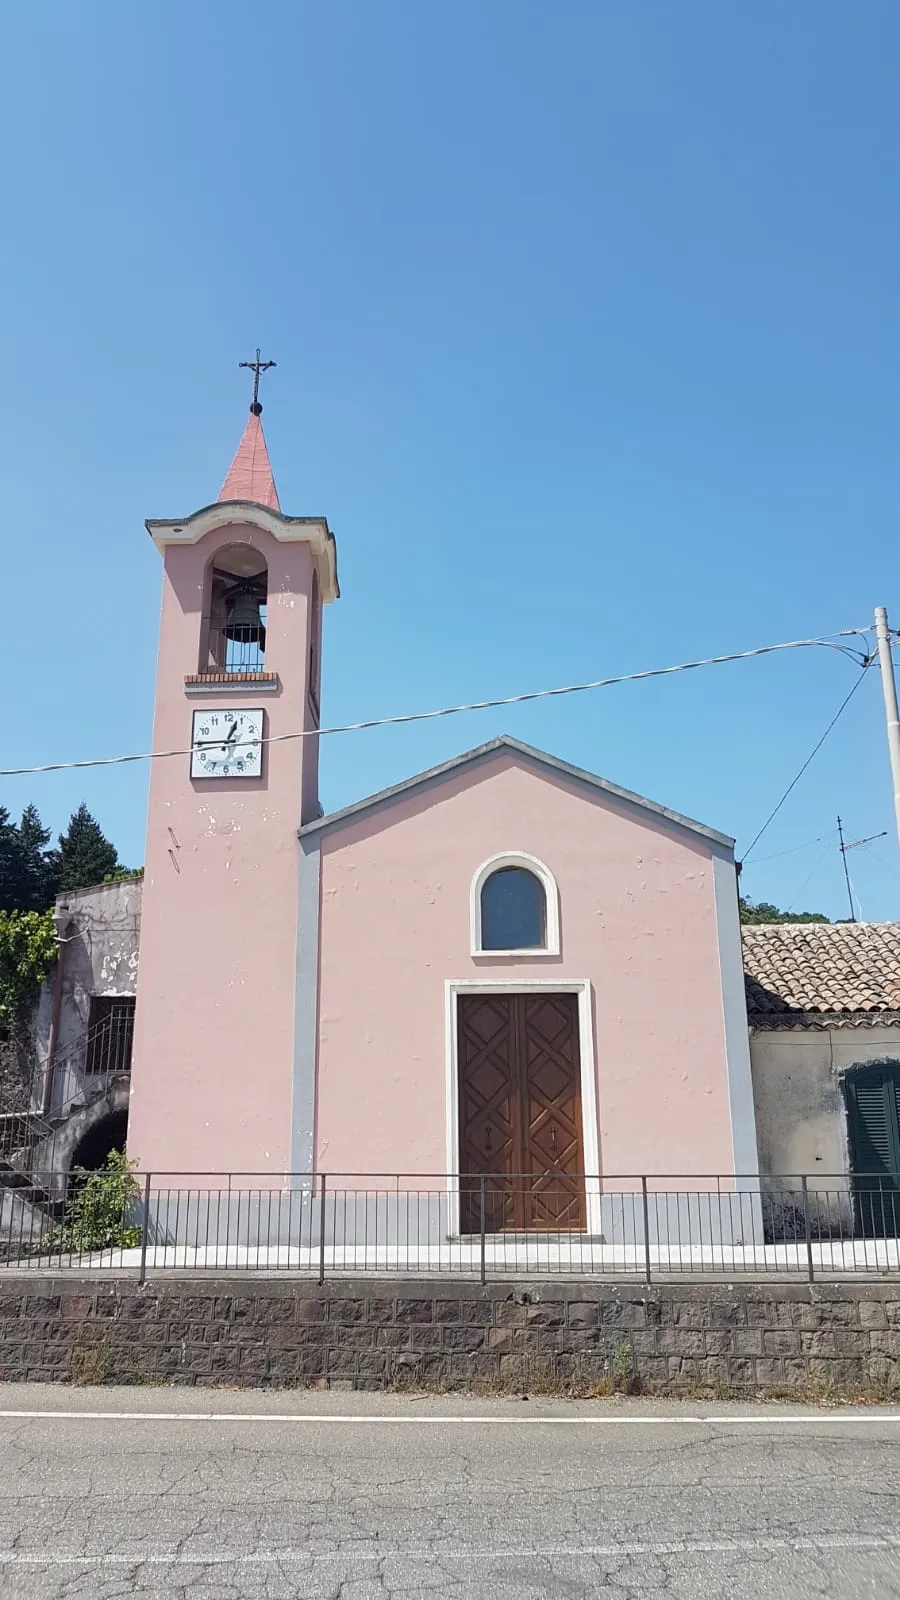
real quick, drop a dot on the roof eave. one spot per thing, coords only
(794, 1021)
(483, 752)
(287, 530)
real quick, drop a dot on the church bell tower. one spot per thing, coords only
(237, 696)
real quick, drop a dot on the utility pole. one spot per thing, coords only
(889, 688)
(846, 870)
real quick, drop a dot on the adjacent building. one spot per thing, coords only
(823, 1006)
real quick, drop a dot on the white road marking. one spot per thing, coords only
(330, 1419)
(266, 1558)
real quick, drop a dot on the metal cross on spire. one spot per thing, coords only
(257, 367)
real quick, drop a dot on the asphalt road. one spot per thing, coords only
(361, 1497)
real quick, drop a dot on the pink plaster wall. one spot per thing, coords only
(214, 1026)
(637, 917)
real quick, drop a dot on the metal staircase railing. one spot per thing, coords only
(90, 1063)
(82, 1073)
(20, 1133)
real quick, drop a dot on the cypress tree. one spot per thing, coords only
(26, 875)
(85, 856)
(37, 887)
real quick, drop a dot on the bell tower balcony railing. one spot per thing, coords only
(238, 648)
(233, 647)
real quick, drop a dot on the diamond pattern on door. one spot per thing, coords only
(486, 1107)
(520, 1111)
(551, 1086)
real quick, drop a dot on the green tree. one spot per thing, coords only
(37, 885)
(27, 952)
(9, 862)
(85, 856)
(26, 869)
(764, 911)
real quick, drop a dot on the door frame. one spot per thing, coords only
(590, 1137)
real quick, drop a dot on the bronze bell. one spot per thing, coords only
(243, 622)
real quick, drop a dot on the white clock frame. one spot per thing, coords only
(248, 744)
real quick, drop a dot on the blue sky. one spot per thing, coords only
(587, 331)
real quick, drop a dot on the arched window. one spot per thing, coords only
(513, 911)
(514, 908)
(315, 633)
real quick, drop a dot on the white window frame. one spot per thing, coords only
(590, 1131)
(516, 858)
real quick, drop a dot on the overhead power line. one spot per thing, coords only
(794, 848)
(827, 642)
(809, 877)
(867, 662)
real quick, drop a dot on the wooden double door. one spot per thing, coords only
(520, 1122)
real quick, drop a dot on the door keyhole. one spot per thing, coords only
(553, 1138)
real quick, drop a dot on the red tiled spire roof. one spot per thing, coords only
(250, 474)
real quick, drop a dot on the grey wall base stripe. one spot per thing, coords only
(306, 1007)
(734, 1006)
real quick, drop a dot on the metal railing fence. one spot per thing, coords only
(86, 1067)
(20, 1132)
(238, 648)
(84, 1070)
(480, 1226)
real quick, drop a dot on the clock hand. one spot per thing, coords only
(230, 735)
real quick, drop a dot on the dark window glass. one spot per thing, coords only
(513, 911)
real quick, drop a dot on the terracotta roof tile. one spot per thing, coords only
(250, 474)
(845, 969)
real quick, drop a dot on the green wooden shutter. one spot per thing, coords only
(874, 1132)
(873, 1105)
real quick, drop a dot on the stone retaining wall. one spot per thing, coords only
(373, 1333)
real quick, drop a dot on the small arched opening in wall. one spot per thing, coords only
(100, 1141)
(233, 627)
(86, 1138)
(872, 1096)
(514, 907)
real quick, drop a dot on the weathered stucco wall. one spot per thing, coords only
(100, 957)
(638, 921)
(801, 1118)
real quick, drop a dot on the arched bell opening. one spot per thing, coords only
(238, 590)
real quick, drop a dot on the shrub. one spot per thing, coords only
(98, 1208)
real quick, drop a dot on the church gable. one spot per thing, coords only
(472, 767)
(509, 895)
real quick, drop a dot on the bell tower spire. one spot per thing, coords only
(250, 475)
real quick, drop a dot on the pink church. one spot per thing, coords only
(504, 965)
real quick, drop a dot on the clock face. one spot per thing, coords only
(227, 744)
